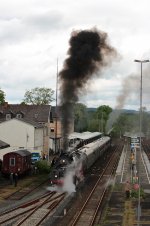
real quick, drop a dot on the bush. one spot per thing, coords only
(135, 193)
(43, 166)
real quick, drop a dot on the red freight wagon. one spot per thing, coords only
(16, 162)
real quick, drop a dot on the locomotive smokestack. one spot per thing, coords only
(87, 55)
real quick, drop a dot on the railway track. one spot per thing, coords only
(33, 212)
(39, 210)
(87, 213)
(21, 192)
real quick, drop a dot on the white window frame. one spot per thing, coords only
(10, 163)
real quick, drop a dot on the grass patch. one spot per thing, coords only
(135, 194)
(129, 214)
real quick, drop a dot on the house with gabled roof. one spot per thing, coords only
(36, 113)
(16, 120)
(25, 126)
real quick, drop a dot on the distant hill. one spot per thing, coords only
(128, 111)
(91, 109)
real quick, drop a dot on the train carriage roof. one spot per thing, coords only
(88, 148)
(84, 136)
(23, 152)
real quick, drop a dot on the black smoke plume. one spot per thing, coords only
(87, 56)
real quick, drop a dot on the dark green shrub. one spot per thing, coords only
(42, 166)
(135, 193)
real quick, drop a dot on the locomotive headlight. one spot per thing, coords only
(63, 160)
(55, 175)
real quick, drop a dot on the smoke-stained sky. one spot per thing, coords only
(34, 33)
(89, 52)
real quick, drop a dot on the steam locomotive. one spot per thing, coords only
(84, 149)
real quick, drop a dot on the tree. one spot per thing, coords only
(102, 114)
(121, 125)
(93, 125)
(129, 122)
(2, 96)
(38, 96)
(80, 115)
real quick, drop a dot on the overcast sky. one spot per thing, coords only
(34, 33)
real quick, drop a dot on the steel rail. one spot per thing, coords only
(61, 196)
(91, 193)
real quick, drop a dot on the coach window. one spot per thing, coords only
(12, 162)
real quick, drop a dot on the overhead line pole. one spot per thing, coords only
(56, 109)
(139, 205)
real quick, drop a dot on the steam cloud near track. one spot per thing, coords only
(88, 55)
(131, 90)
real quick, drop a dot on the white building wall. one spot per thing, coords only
(20, 135)
(5, 151)
(38, 139)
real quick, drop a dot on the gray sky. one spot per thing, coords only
(34, 33)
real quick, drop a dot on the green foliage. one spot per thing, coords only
(104, 109)
(135, 193)
(129, 122)
(89, 120)
(93, 125)
(80, 116)
(120, 126)
(43, 166)
(38, 96)
(86, 120)
(2, 96)
(102, 114)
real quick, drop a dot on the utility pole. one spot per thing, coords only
(56, 113)
(139, 202)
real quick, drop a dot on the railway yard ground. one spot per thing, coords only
(27, 187)
(99, 200)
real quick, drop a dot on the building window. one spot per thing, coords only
(42, 123)
(52, 130)
(8, 116)
(12, 162)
